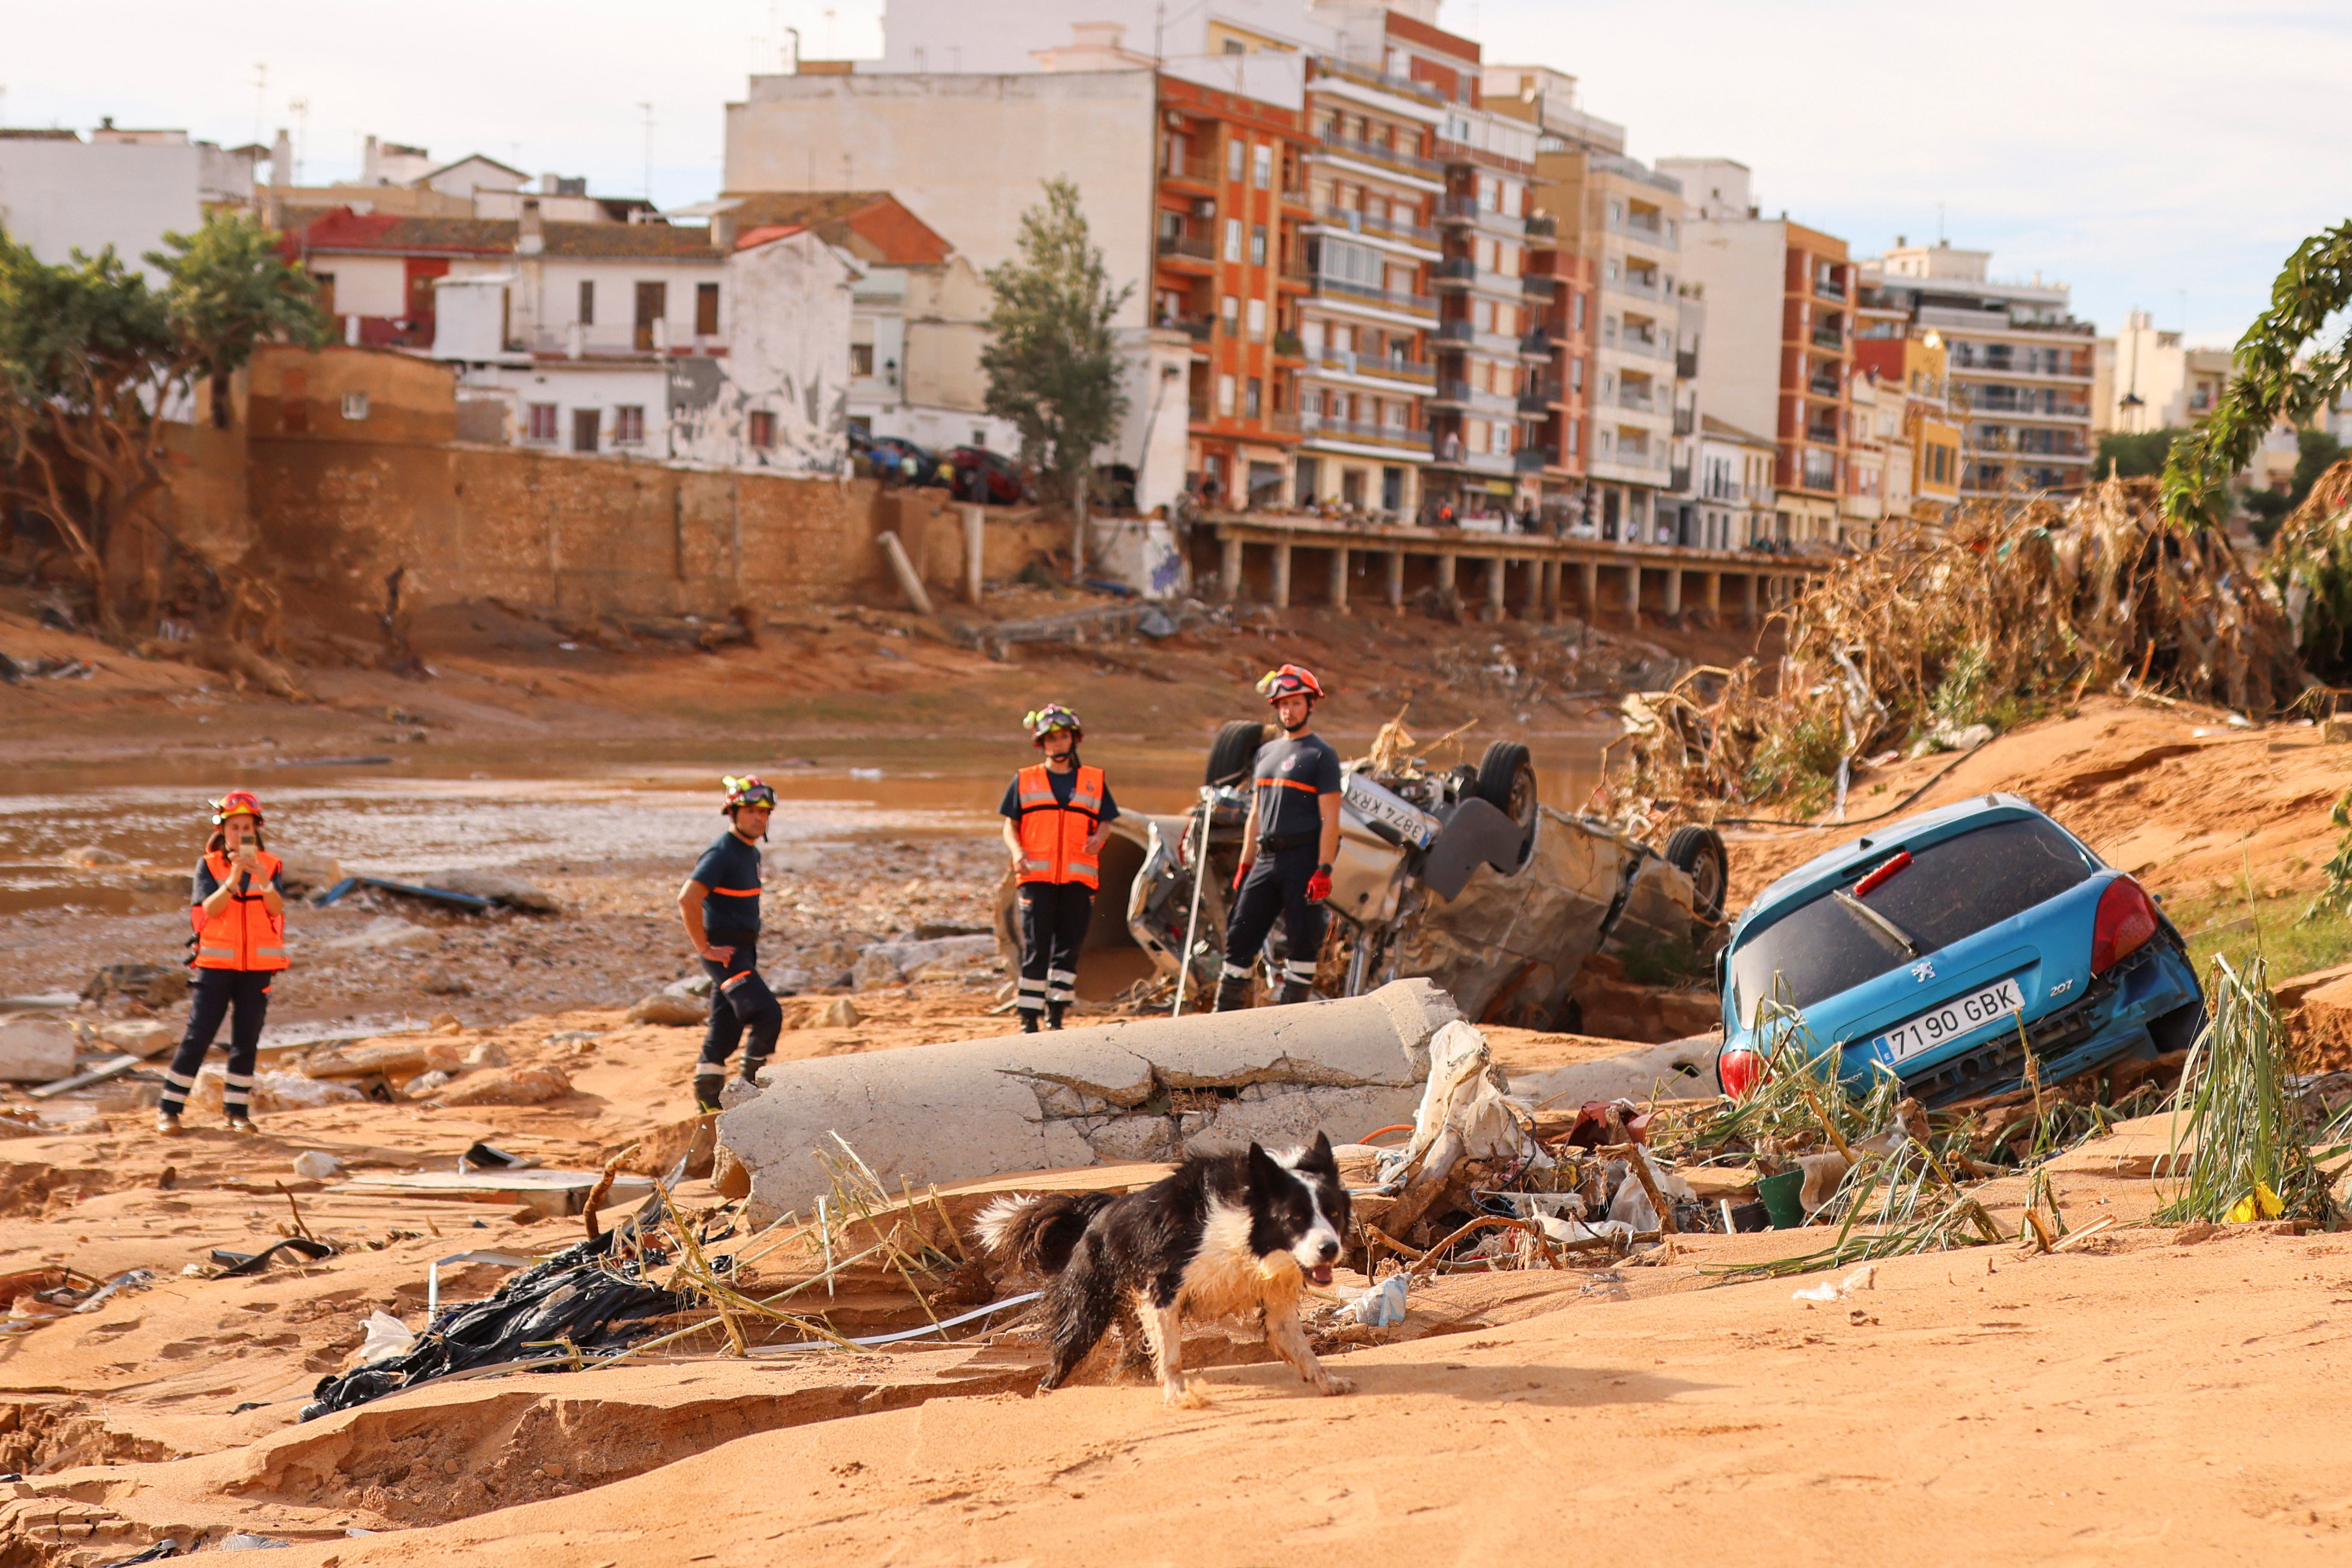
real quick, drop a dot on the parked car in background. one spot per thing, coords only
(914, 465)
(1945, 947)
(982, 475)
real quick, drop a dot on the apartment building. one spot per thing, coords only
(2146, 380)
(1780, 299)
(1370, 316)
(1735, 485)
(1562, 388)
(1229, 271)
(1907, 373)
(61, 191)
(2023, 369)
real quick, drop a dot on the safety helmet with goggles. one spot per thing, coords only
(1290, 681)
(749, 790)
(237, 802)
(1050, 718)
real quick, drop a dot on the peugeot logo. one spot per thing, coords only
(1923, 972)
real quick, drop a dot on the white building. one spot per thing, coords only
(60, 193)
(1735, 485)
(664, 340)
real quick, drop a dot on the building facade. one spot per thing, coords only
(2023, 369)
(2146, 379)
(1780, 299)
(1736, 500)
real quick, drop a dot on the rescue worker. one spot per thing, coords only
(1287, 846)
(720, 908)
(239, 910)
(1057, 817)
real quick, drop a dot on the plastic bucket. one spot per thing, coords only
(1781, 1199)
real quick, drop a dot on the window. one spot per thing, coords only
(1576, 311)
(587, 302)
(653, 306)
(542, 422)
(1952, 889)
(587, 424)
(1232, 247)
(628, 425)
(762, 428)
(1574, 446)
(1254, 396)
(1257, 245)
(706, 309)
(1234, 153)
(1257, 320)
(1225, 396)
(355, 405)
(1576, 374)
(861, 359)
(1262, 166)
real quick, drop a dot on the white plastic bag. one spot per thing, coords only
(1862, 1278)
(387, 1337)
(316, 1164)
(1379, 1307)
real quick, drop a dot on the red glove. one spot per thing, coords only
(1318, 886)
(1239, 874)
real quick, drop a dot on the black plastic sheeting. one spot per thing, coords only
(592, 1297)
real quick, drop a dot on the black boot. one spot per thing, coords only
(1295, 991)
(1054, 1012)
(1028, 1020)
(706, 1086)
(1233, 992)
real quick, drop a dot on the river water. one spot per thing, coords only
(424, 808)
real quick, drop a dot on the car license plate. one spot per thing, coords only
(1951, 1020)
(1374, 804)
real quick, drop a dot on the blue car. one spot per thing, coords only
(1920, 947)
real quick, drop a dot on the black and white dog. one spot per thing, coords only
(1224, 1236)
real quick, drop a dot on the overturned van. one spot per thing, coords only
(1461, 876)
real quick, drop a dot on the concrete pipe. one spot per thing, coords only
(1142, 1089)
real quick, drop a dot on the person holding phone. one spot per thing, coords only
(239, 910)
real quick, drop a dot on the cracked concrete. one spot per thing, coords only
(1143, 1089)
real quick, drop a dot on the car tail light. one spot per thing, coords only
(1741, 1071)
(2125, 921)
(1882, 875)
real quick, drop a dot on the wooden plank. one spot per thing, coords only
(98, 1074)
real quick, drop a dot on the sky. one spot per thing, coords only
(2151, 154)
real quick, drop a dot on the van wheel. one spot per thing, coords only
(1698, 852)
(1507, 781)
(1233, 751)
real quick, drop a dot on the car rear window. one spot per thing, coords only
(1952, 890)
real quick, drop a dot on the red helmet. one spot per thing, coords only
(1290, 681)
(749, 790)
(237, 802)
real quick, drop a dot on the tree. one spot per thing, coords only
(93, 361)
(1053, 369)
(2315, 452)
(2273, 382)
(2133, 457)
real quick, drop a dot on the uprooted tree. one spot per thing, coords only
(96, 365)
(1053, 368)
(2280, 376)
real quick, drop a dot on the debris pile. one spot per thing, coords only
(1925, 639)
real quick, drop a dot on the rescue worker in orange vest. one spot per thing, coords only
(1057, 817)
(240, 914)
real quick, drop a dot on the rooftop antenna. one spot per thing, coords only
(795, 32)
(260, 89)
(301, 109)
(1939, 223)
(647, 110)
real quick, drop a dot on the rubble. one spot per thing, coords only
(1137, 1089)
(35, 1050)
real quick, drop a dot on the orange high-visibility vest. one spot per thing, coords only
(1053, 836)
(242, 935)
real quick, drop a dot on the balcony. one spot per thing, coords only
(1634, 399)
(1537, 344)
(1829, 288)
(1821, 435)
(1530, 460)
(1455, 271)
(1371, 293)
(1197, 328)
(1328, 65)
(1686, 365)
(1538, 285)
(1538, 395)
(1200, 169)
(1678, 480)
(1823, 386)
(1322, 428)
(1388, 369)
(1543, 225)
(1450, 454)
(1356, 222)
(1287, 346)
(1461, 393)
(1190, 247)
(1685, 421)
(1386, 157)
(1829, 338)
(1461, 209)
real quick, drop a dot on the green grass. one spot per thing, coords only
(2228, 924)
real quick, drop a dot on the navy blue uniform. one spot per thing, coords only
(1288, 781)
(739, 998)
